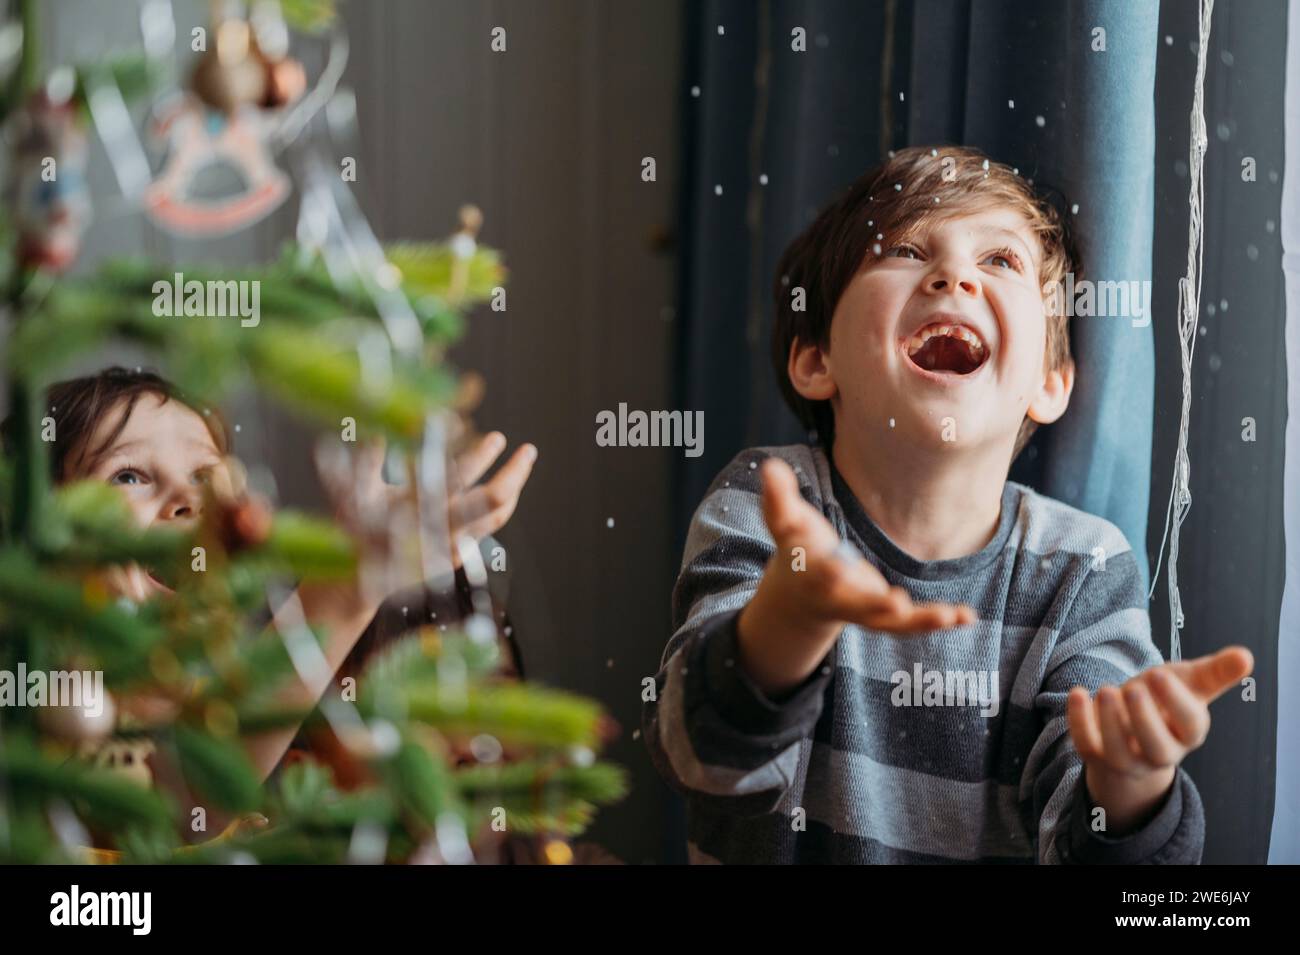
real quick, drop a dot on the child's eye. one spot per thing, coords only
(903, 251)
(123, 475)
(1009, 259)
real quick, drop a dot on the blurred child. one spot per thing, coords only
(136, 432)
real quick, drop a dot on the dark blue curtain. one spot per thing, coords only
(773, 134)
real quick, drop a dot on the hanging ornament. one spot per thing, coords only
(76, 724)
(243, 524)
(206, 145)
(220, 131)
(47, 191)
(285, 80)
(229, 75)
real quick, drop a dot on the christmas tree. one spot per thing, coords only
(383, 784)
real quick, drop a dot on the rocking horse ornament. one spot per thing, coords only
(201, 141)
(222, 125)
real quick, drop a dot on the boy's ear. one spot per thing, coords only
(1054, 397)
(809, 372)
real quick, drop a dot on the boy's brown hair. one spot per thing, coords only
(894, 200)
(78, 404)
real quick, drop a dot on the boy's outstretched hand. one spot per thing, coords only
(814, 585)
(1132, 738)
(482, 509)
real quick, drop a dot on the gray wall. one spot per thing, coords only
(547, 138)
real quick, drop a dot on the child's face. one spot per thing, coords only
(978, 270)
(160, 462)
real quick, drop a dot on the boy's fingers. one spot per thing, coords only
(931, 617)
(507, 484)
(1187, 712)
(920, 618)
(1115, 729)
(792, 521)
(489, 523)
(1085, 731)
(473, 463)
(879, 611)
(1212, 675)
(473, 511)
(780, 488)
(1158, 745)
(495, 500)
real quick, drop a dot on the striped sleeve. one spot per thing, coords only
(1105, 639)
(711, 732)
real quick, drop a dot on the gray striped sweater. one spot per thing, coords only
(890, 752)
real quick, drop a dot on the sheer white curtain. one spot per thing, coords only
(1284, 846)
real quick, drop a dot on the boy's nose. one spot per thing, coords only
(183, 506)
(955, 278)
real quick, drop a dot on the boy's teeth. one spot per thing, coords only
(958, 331)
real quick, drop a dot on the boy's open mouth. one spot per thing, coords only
(946, 348)
(160, 576)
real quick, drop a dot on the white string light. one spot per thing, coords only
(1189, 307)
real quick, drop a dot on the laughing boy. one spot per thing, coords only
(913, 335)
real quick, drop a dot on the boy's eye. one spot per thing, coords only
(126, 476)
(904, 252)
(1004, 259)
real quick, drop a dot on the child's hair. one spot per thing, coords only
(79, 404)
(895, 200)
